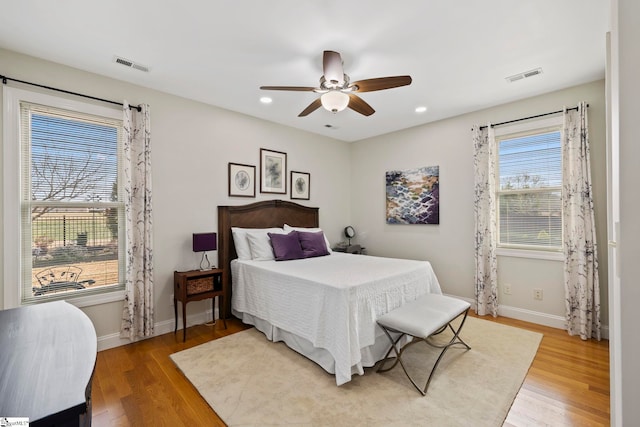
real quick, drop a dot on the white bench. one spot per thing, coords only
(421, 319)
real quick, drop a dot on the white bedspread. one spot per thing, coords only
(331, 301)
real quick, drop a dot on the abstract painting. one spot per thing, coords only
(413, 196)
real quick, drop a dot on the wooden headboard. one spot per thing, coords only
(269, 213)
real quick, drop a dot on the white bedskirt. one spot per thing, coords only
(326, 307)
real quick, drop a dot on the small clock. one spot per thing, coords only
(349, 233)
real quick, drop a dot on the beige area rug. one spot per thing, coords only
(250, 381)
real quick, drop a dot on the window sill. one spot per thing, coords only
(103, 298)
(531, 254)
(86, 300)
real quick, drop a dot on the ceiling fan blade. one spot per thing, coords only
(332, 67)
(370, 85)
(294, 88)
(357, 104)
(311, 108)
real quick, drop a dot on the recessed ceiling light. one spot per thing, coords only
(266, 100)
(421, 109)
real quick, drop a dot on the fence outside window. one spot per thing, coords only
(74, 247)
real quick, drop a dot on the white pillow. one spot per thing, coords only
(260, 244)
(241, 242)
(288, 228)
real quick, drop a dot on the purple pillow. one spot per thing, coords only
(313, 244)
(286, 246)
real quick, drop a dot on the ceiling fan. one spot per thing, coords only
(338, 92)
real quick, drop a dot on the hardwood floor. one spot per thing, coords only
(567, 383)
(138, 384)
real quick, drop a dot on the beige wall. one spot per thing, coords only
(449, 245)
(192, 144)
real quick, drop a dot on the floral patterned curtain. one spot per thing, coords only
(484, 207)
(582, 289)
(137, 315)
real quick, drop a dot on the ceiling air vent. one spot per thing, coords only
(524, 75)
(130, 64)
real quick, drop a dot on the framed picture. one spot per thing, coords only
(273, 171)
(413, 196)
(242, 180)
(300, 185)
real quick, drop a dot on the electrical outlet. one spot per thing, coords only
(506, 289)
(537, 294)
(171, 301)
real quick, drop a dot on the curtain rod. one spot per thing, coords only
(5, 78)
(530, 117)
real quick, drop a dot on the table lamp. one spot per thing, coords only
(203, 242)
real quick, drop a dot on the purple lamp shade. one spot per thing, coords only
(204, 242)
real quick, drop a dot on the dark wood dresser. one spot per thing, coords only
(47, 358)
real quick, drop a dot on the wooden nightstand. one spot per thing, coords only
(196, 285)
(350, 249)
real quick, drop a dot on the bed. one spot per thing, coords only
(322, 307)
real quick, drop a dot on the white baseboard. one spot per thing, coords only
(536, 317)
(113, 340)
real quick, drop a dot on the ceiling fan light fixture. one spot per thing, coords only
(334, 101)
(336, 92)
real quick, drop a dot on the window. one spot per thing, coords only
(69, 200)
(529, 191)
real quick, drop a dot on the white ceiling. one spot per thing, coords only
(221, 51)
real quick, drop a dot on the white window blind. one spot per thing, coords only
(530, 191)
(72, 210)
